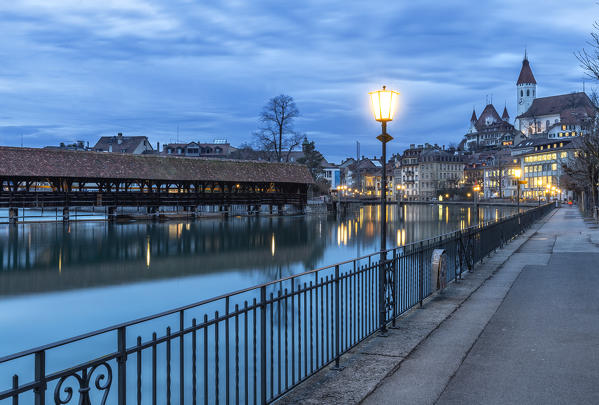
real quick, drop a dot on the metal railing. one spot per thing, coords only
(251, 346)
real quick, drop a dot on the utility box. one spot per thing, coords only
(439, 270)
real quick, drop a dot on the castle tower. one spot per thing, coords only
(526, 86)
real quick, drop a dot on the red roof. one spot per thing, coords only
(526, 76)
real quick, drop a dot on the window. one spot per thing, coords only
(554, 166)
(521, 93)
(527, 92)
(563, 155)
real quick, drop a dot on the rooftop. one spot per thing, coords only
(44, 163)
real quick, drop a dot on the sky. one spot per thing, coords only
(192, 70)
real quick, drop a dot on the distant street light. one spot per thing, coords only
(384, 103)
(518, 175)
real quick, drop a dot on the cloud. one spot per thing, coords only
(81, 69)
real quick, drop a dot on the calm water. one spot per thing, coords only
(57, 281)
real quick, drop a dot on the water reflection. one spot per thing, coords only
(52, 256)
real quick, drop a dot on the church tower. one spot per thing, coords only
(526, 86)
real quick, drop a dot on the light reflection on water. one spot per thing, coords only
(59, 280)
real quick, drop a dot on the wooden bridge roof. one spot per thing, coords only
(44, 163)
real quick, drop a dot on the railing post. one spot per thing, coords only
(337, 326)
(395, 289)
(40, 378)
(122, 366)
(421, 275)
(263, 345)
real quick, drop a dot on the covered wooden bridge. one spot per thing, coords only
(35, 178)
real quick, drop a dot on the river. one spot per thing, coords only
(57, 281)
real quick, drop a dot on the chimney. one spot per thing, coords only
(157, 146)
(443, 147)
(119, 138)
(412, 146)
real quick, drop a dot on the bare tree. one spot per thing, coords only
(583, 169)
(276, 134)
(589, 60)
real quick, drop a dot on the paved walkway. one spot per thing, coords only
(528, 335)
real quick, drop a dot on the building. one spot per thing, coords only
(136, 145)
(406, 172)
(439, 170)
(499, 176)
(542, 163)
(216, 149)
(490, 131)
(332, 173)
(425, 170)
(557, 116)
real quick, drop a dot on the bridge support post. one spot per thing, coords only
(249, 210)
(257, 208)
(13, 215)
(280, 209)
(111, 213)
(226, 210)
(270, 209)
(65, 214)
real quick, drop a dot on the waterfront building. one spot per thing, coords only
(542, 163)
(499, 179)
(439, 170)
(406, 172)
(332, 173)
(136, 145)
(425, 170)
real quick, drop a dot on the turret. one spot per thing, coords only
(526, 87)
(505, 116)
(473, 120)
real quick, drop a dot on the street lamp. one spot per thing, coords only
(476, 190)
(384, 103)
(518, 175)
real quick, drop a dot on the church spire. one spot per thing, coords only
(473, 117)
(526, 76)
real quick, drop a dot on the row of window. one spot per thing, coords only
(540, 181)
(540, 168)
(545, 156)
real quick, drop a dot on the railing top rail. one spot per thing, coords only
(238, 292)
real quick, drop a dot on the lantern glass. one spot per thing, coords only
(384, 104)
(517, 173)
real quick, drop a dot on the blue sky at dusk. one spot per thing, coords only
(76, 70)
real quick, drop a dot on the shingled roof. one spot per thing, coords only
(578, 104)
(44, 163)
(526, 76)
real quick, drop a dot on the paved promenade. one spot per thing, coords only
(541, 342)
(523, 328)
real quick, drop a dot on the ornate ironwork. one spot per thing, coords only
(102, 383)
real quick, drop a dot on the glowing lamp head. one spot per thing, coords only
(384, 104)
(517, 173)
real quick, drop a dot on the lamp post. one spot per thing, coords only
(518, 175)
(383, 106)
